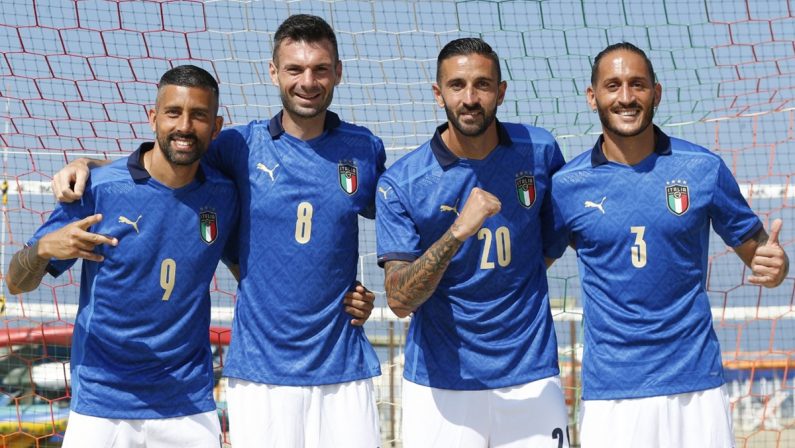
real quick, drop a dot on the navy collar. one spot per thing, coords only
(445, 157)
(136, 167)
(662, 146)
(276, 129)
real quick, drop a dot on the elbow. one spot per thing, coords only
(399, 308)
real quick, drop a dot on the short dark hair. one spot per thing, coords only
(621, 46)
(189, 76)
(465, 46)
(304, 28)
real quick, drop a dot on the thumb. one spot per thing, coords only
(775, 229)
(89, 221)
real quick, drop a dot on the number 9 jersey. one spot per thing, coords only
(140, 345)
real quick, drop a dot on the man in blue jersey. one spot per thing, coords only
(299, 367)
(638, 208)
(463, 230)
(151, 229)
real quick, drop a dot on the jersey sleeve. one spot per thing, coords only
(64, 214)
(396, 236)
(554, 237)
(228, 150)
(380, 167)
(731, 216)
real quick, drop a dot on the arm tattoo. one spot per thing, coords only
(27, 269)
(409, 285)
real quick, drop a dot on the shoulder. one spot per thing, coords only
(241, 133)
(684, 148)
(419, 158)
(575, 169)
(526, 134)
(115, 171)
(350, 130)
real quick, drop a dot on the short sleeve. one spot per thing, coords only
(396, 235)
(731, 216)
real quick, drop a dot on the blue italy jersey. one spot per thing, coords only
(299, 250)
(488, 324)
(140, 345)
(641, 234)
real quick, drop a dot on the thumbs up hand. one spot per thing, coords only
(770, 263)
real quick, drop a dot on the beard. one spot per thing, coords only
(604, 117)
(475, 129)
(181, 157)
(291, 106)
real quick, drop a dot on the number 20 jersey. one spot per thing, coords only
(641, 234)
(299, 250)
(488, 323)
(140, 345)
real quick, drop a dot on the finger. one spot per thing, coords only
(95, 239)
(89, 221)
(91, 256)
(775, 229)
(81, 177)
(760, 280)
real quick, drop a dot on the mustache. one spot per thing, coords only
(632, 105)
(180, 135)
(475, 108)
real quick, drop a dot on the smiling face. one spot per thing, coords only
(469, 89)
(185, 122)
(624, 94)
(306, 73)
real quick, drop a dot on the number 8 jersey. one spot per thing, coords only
(299, 250)
(140, 345)
(642, 234)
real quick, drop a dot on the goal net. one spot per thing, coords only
(76, 79)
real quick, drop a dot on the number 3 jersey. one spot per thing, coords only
(641, 234)
(488, 323)
(140, 344)
(299, 250)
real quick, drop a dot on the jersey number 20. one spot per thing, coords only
(502, 242)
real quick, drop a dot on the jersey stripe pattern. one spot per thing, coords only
(488, 323)
(641, 234)
(140, 346)
(299, 250)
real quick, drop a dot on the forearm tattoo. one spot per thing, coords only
(411, 284)
(27, 268)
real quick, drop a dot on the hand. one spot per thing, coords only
(69, 183)
(359, 304)
(770, 264)
(479, 205)
(73, 241)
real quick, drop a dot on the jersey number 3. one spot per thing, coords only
(638, 249)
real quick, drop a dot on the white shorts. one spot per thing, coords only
(528, 415)
(333, 415)
(697, 419)
(198, 430)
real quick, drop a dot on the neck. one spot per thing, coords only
(469, 147)
(167, 173)
(628, 150)
(303, 128)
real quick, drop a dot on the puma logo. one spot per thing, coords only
(134, 224)
(384, 192)
(447, 208)
(262, 167)
(591, 204)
